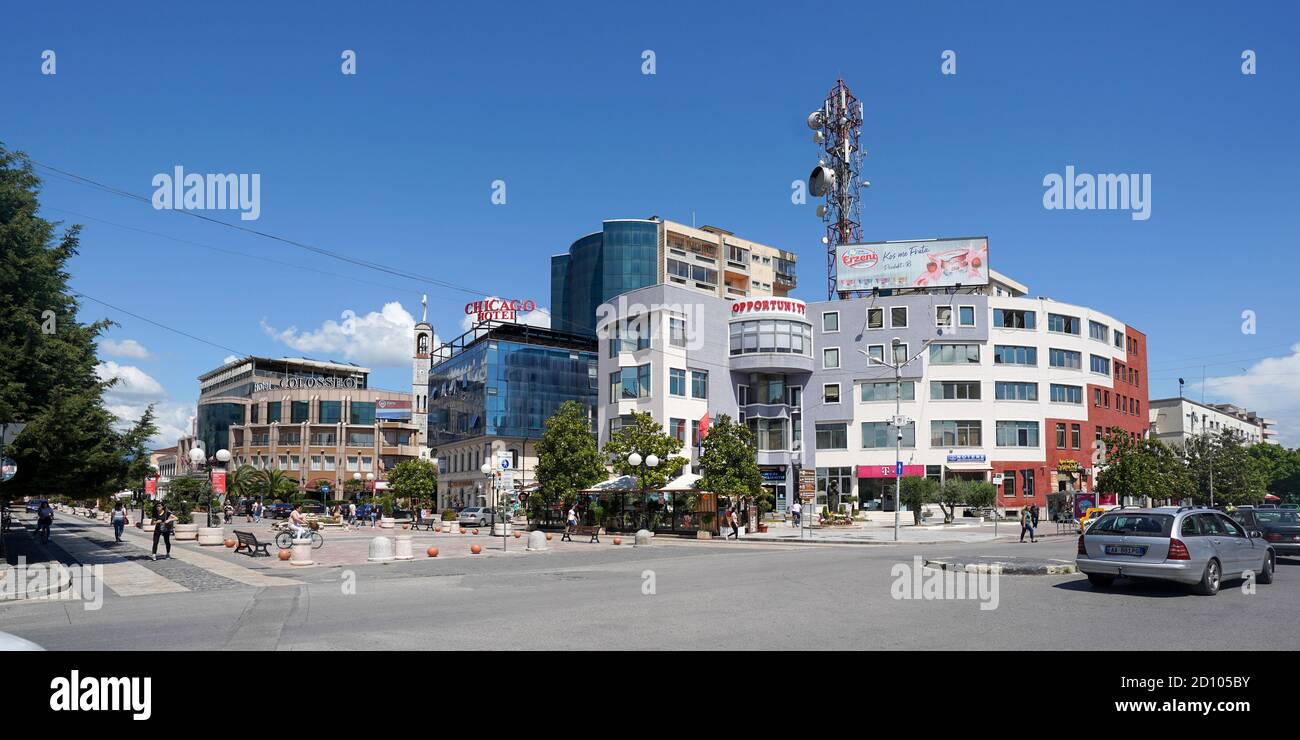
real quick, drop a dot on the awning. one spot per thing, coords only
(968, 467)
(685, 482)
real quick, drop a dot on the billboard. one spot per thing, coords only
(387, 408)
(932, 263)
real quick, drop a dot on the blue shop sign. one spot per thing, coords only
(967, 457)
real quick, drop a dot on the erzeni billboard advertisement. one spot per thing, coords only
(932, 263)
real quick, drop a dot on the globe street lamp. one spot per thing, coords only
(898, 422)
(650, 462)
(223, 457)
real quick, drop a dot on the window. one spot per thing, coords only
(1074, 436)
(1017, 434)
(630, 383)
(676, 381)
(943, 316)
(1067, 394)
(840, 480)
(831, 358)
(831, 322)
(1099, 364)
(1006, 354)
(1119, 339)
(1096, 397)
(966, 316)
(361, 412)
(1007, 318)
(677, 332)
(954, 354)
(1009, 484)
(1027, 483)
(1064, 358)
(886, 391)
(898, 317)
(1098, 331)
(876, 352)
(272, 412)
(769, 434)
(1060, 436)
(875, 318)
(315, 462)
(831, 393)
(795, 396)
(880, 434)
(770, 335)
(331, 412)
(955, 390)
(833, 436)
(677, 428)
(695, 432)
(769, 389)
(352, 463)
(298, 411)
(1006, 391)
(329, 462)
(699, 383)
(965, 433)
(253, 412)
(293, 462)
(1062, 323)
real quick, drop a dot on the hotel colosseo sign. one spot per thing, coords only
(498, 309)
(301, 382)
(772, 307)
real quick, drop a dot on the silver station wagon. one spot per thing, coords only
(1196, 546)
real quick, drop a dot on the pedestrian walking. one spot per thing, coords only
(352, 515)
(1033, 514)
(374, 514)
(734, 521)
(230, 512)
(796, 513)
(248, 512)
(164, 522)
(119, 521)
(257, 512)
(1027, 525)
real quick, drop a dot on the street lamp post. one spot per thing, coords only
(898, 425)
(497, 504)
(649, 462)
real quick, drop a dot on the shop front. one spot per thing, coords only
(971, 466)
(774, 482)
(877, 484)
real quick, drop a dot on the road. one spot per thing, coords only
(705, 596)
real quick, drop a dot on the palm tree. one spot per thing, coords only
(242, 482)
(275, 484)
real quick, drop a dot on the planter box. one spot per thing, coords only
(387, 522)
(501, 530)
(146, 527)
(703, 534)
(211, 536)
(446, 525)
(186, 532)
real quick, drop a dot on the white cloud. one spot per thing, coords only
(382, 338)
(229, 359)
(1270, 388)
(540, 317)
(133, 393)
(125, 348)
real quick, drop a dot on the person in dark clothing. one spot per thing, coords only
(164, 521)
(44, 518)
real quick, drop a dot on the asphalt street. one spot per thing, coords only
(678, 595)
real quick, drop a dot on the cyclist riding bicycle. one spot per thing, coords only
(298, 523)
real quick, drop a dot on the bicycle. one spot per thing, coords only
(284, 540)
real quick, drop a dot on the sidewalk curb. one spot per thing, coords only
(1002, 568)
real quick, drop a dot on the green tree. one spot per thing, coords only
(915, 492)
(135, 449)
(242, 482)
(981, 495)
(953, 493)
(1125, 471)
(48, 378)
(729, 463)
(1219, 463)
(568, 458)
(185, 488)
(414, 479)
(276, 484)
(1281, 467)
(646, 437)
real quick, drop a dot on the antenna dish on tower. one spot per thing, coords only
(837, 126)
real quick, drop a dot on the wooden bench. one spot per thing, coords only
(428, 525)
(582, 530)
(248, 543)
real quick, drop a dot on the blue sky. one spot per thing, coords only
(395, 164)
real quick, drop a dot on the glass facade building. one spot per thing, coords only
(622, 256)
(499, 386)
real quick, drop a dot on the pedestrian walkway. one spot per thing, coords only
(129, 571)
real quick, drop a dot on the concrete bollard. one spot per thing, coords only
(642, 538)
(301, 553)
(381, 550)
(403, 550)
(537, 540)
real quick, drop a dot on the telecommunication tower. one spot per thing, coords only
(837, 127)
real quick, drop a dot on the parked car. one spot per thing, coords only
(1194, 546)
(278, 510)
(1280, 527)
(479, 516)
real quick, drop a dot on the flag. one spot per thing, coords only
(704, 426)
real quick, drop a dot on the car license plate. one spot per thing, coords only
(1134, 550)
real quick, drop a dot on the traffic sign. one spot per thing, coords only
(898, 469)
(8, 469)
(901, 421)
